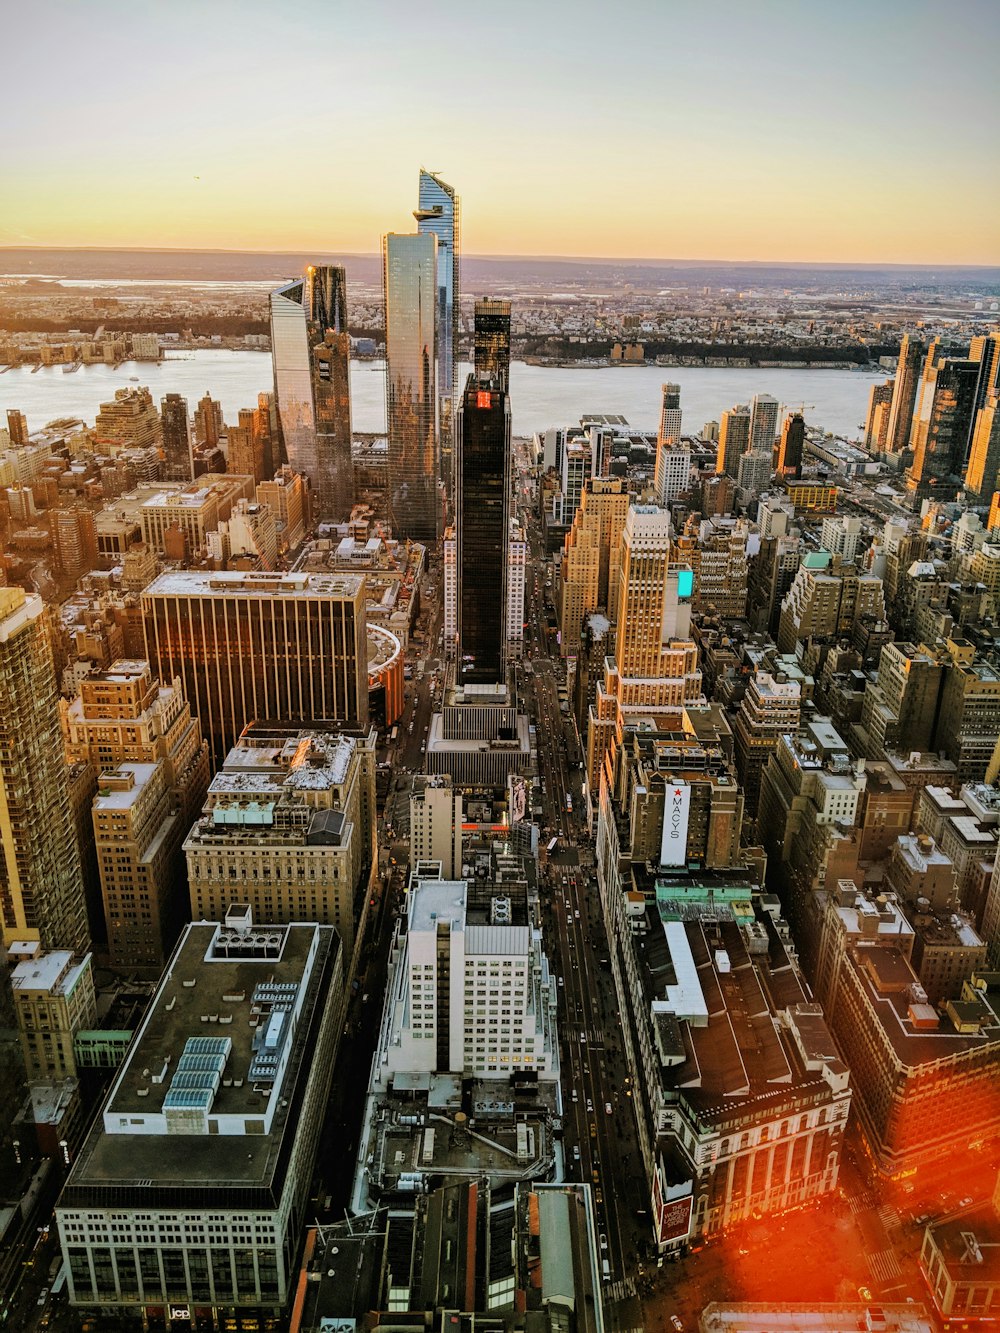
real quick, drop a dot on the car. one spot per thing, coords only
(576, 1153)
(677, 1323)
(576, 1095)
(604, 1242)
(43, 1296)
(583, 1035)
(964, 1203)
(607, 1107)
(560, 981)
(576, 913)
(590, 1105)
(864, 1293)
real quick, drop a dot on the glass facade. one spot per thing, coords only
(311, 352)
(492, 339)
(942, 425)
(178, 463)
(483, 456)
(330, 343)
(410, 281)
(437, 213)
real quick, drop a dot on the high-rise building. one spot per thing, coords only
(763, 423)
(793, 434)
(492, 339)
(287, 496)
(290, 817)
(260, 646)
(985, 350)
(311, 349)
(410, 277)
(74, 539)
(436, 823)
(196, 1173)
(461, 943)
(588, 573)
(673, 472)
(826, 598)
(734, 440)
(53, 1000)
(517, 566)
(482, 499)
(178, 459)
(982, 476)
(670, 414)
(41, 886)
(942, 424)
(753, 474)
(877, 417)
(130, 420)
(438, 214)
(770, 709)
(209, 423)
(841, 536)
(17, 428)
(904, 394)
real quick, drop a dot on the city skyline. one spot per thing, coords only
(815, 137)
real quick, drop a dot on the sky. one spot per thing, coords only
(857, 131)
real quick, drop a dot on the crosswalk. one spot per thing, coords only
(861, 1202)
(884, 1265)
(888, 1217)
(620, 1290)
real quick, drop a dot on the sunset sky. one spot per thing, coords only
(855, 131)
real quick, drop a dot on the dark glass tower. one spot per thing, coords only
(942, 424)
(492, 338)
(793, 434)
(481, 511)
(438, 214)
(904, 394)
(178, 461)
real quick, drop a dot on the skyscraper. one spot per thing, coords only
(983, 472)
(311, 351)
(985, 351)
(481, 511)
(670, 415)
(438, 214)
(763, 422)
(793, 434)
(942, 423)
(41, 886)
(904, 393)
(410, 277)
(877, 418)
(178, 461)
(17, 427)
(492, 339)
(260, 646)
(734, 440)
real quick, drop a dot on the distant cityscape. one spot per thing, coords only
(455, 878)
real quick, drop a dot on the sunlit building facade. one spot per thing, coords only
(438, 214)
(410, 275)
(492, 338)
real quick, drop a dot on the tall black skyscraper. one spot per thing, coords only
(793, 434)
(492, 339)
(482, 503)
(178, 460)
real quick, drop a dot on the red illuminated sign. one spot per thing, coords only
(484, 398)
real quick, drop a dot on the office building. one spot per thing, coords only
(753, 474)
(192, 1187)
(960, 1261)
(74, 540)
(942, 425)
(827, 598)
(900, 709)
(763, 423)
(904, 394)
(287, 497)
(438, 214)
(770, 709)
(470, 991)
(588, 572)
(734, 440)
(41, 886)
(984, 349)
(178, 454)
(517, 564)
(130, 421)
(925, 1084)
(482, 500)
(672, 477)
(289, 818)
(54, 999)
(491, 335)
(450, 590)
(17, 428)
(209, 423)
(810, 496)
(841, 536)
(411, 286)
(982, 476)
(968, 720)
(716, 549)
(436, 823)
(176, 521)
(260, 646)
(669, 432)
(793, 435)
(311, 350)
(877, 416)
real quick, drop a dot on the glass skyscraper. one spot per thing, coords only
(437, 213)
(410, 275)
(482, 494)
(310, 347)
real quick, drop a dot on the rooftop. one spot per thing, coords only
(219, 583)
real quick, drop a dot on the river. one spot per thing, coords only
(541, 396)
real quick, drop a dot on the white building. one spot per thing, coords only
(673, 471)
(450, 592)
(841, 536)
(517, 560)
(498, 1014)
(436, 824)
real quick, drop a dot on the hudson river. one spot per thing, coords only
(541, 396)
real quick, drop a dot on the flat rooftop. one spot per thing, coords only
(238, 583)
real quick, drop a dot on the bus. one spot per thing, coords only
(393, 734)
(552, 846)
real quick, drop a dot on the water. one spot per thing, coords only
(541, 396)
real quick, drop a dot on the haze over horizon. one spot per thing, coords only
(781, 133)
